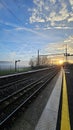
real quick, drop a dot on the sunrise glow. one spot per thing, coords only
(60, 62)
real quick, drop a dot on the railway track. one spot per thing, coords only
(19, 76)
(10, 84)
(13, 102)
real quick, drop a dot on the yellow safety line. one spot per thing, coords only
(65, 121)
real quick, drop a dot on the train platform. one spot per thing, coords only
(48, 119)
(58, 113)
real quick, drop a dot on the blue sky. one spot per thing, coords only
(29, 25)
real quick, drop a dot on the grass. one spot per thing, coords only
(12, 71)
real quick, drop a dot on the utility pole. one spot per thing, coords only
(66, 53)
(38, 58)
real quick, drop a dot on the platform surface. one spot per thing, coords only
(48, 119)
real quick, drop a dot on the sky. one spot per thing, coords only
(29, 25)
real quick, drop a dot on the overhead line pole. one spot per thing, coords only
(38, 57)
(66, 52)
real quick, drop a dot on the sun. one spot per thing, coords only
(60, 62)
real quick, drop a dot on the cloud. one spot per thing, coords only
(20, 28)
(69, 41)
(71, 2)
(38, 19)
(52, 12)
(55, 48)
(54, 28)
(8, 23)
(60, 47)
(53, 1)
(70, 19)
(64, 27)
(30, 30)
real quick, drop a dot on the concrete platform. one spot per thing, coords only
(48, 119)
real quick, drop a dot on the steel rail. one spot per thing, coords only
(28, 97)
(17, 81)
(11, 88)
(12, 83)
(18, 91)
(7, 80)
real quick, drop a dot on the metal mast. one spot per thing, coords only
(38, 57)
(66, 53)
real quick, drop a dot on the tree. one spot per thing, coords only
(31, 63)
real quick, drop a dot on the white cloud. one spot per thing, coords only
(52, 23)
(53, 1)
(69, 39)
(60, 16)
(60, 27)
(8, 23)
(64, 12)
(36, 12)
(19, 28)
(48, 11)
(36, 19)
(60, 47)
(39, 3)
(53, 28)
(37, 27)
(71, 2)
(70, 19)
(55, 48)
(69, 42)
(46, 8)
(30, 30)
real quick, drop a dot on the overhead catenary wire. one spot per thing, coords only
(20, 21)
(10, 11)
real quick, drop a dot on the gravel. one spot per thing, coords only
(28, 118)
